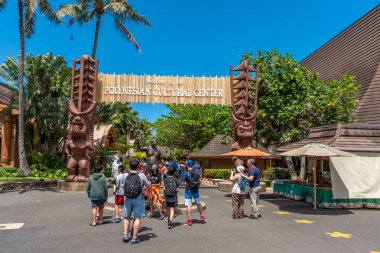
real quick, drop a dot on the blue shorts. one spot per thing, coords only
(189, 198)
(135, 205)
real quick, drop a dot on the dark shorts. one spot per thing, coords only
(172, 204)
(119, 200)
(98, 203)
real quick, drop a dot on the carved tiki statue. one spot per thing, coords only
(244, 89)
(82, 105)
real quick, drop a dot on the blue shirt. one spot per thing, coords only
(255, 172)
(185, 178)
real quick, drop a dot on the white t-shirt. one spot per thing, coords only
(236, 186)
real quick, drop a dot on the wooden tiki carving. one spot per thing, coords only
(244, 90)
(82, 105)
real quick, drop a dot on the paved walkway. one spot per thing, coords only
(59, 222)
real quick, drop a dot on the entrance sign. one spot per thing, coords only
(164, 89)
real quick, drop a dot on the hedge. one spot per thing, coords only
(217, 173)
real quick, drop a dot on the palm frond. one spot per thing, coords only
(3, 3)
(47, 11)
(132, 16)
(116, 6)
(126, 34)
(30, 17)
(76, 11)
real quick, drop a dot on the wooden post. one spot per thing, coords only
(315, 182)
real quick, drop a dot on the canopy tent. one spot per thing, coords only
(315, 151)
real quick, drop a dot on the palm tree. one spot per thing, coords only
(27, 9)
(85, 10)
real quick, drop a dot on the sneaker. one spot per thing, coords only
(161, 217)
(203, 219)
(134, 241)
(170, 225)
(116, 220)
(189, 223)
(125, 238)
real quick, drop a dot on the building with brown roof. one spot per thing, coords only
(8, 128)
(356, 51)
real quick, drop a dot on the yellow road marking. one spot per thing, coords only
(375, 251)
(261, 206)
(204, 197)
(339, 235)
(305, 221)
(228, 200)
(281, 212)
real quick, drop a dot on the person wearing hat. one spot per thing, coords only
(192, 180)
(239, 189)
(154, 192)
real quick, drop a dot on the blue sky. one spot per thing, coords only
(191, 37)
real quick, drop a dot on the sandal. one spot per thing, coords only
(92, 224)
(100, 222)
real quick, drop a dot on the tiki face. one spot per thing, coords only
(244, 130)
(79, 128)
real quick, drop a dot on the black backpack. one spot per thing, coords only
(194, 179)
(132, 186)
(170, 187)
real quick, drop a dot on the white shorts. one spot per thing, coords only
(189, 198)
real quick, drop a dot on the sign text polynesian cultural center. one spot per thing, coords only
(164, 89)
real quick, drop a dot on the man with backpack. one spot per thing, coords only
(192, 179)
(134, 200)
(171, 187)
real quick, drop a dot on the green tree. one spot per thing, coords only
(48, 86)
(26, 22)
(189, 127)
(291, 98)
(86, 10)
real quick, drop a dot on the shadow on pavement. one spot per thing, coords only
(300, 207)
(41, 190)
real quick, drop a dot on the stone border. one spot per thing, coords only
(28, 185)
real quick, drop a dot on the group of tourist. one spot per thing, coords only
(245, 178)
(136, 185)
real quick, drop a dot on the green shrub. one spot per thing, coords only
(276, 173)
(9, 172)
(47, 166)
(217, 173)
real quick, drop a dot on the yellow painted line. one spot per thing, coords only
(304, 221)
(375, 251)
(339, 235)
(260, 206)
(281, 212)
(204, 197)
(228, 200)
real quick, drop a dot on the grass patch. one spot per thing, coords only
(23, 180)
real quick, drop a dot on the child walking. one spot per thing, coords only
(171, 187)
(97, 192)
(119, 193)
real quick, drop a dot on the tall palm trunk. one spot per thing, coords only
(99, 17)
(24, 167)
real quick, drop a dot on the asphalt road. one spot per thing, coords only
(59, 222)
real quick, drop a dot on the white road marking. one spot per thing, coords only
(11, 226)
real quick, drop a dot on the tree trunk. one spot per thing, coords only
(303, 165)
(292, 171)
(24, 167)
(96, 36)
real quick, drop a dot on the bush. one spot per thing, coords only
(276, 173)
(9, 172)
(47, 166)
(217, 173)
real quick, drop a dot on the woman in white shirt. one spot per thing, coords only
(239, 186)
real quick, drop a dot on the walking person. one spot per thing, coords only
(254, 187)
(155, 194)
(134, 200)
(171, 188)
(97, 192)
(239, 189)
(192, 180)
(119, 194)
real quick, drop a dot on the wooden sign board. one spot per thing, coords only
(164, 89)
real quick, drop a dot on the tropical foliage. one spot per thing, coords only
(217, 173)
(119, 10)
(190, 127)
(46, 101)
(292, 99)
